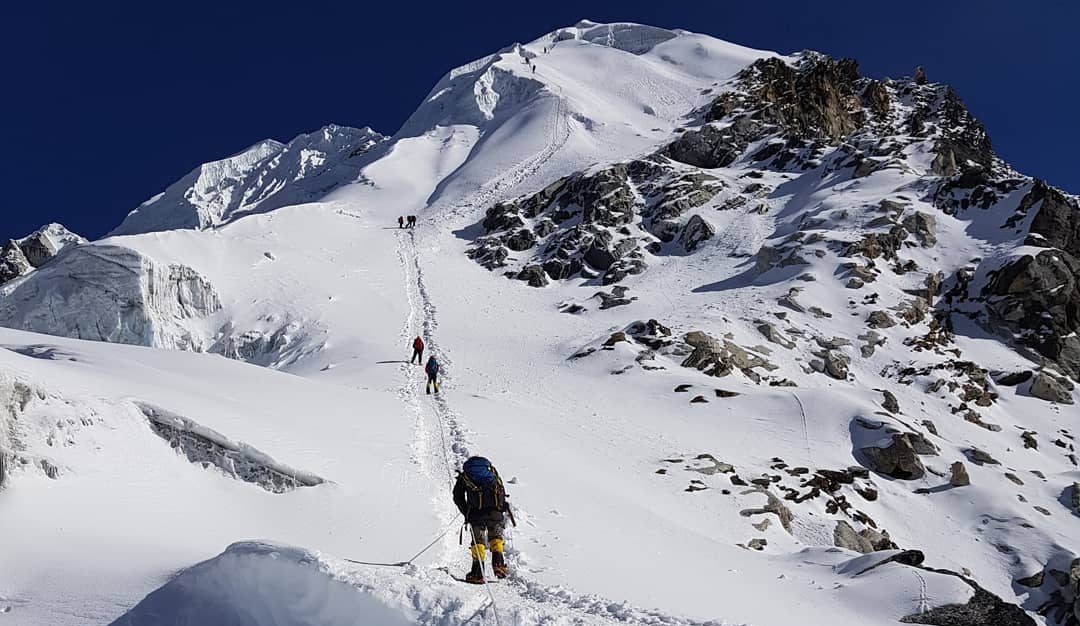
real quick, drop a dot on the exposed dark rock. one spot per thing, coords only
(1012, 379)
(898, 460)
(959, 475)
(890, 404)
(1056, 224)
(13, 262)
(963, 144)
(836, 364)
(979, 457)
(880, 319)
(711, 147)
(923, 226)
(521, 240)
(696, 231)
(38, 249)
(718, 358)
(534, 275)
(983, 609)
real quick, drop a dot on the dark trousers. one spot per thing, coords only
(489, 534)
(417, 356)
(432, 379)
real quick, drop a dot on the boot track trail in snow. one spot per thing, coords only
(558, 132)
(440, 446)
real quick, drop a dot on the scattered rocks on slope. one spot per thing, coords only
(717, 358)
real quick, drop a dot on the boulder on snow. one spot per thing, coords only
(844, 536)
(979, 457)
(534, 275)
(924, 226)
(880, 319)
(898, 459)
(890, 403)
(958, 476)
(1049, 388)
(696, 231)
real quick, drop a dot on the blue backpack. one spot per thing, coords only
(485, 488)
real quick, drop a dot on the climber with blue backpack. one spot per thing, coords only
(432, 371)
(480, 496)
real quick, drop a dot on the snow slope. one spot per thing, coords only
(635, 505)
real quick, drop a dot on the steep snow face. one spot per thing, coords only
(112, 293)
(266, 176)
(575, 96)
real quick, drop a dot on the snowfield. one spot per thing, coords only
(244, 442)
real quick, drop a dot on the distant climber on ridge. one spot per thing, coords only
(417, 351)
(432, 370)
(400, 222)
(481, 497)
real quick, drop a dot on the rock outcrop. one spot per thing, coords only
(13, 262)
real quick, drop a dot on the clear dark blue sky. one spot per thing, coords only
(103, 106)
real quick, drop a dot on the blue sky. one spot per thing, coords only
(104, 106)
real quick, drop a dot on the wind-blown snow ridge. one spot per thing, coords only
(265, 176)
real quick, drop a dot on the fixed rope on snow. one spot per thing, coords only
(429, 546)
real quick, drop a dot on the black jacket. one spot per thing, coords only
(463, 498)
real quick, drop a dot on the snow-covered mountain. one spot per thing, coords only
(263, 177)
(749, 335)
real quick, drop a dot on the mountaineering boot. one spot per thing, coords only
(476, 574)
(498, 563)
